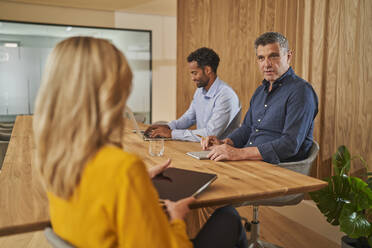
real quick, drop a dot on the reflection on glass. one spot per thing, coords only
(24, 48)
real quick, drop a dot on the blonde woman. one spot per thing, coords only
(99, 195)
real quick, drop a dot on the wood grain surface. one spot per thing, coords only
(331, 42)
(274, 228)
(24, 205)
(23, 202)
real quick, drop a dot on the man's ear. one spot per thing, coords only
(207, 70)
(290, 55)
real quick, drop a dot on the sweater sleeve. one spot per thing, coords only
(140, 220)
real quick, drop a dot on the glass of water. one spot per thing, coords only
(156, 147)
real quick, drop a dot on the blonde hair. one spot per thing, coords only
(79, 106)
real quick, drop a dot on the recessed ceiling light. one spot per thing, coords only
(10, 44)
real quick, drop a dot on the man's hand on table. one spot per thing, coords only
(225, 152)
(159, 131)
(211, 141)
(228, 152)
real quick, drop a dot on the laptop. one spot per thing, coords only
(141, 133)
(175, 184)
(146, 137)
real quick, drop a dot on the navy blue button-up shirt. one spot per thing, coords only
(280, 123)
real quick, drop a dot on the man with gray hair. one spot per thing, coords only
(279, 124)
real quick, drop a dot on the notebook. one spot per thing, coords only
(199, 155)
(174, 183)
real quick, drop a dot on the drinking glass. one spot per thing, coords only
(156, 147)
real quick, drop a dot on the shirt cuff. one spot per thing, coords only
(268, 153)
(235, 139)
(178, 134)
(172, 125)
(184, 134)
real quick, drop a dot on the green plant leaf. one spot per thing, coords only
(363, 162)
(354, 223)
(331, 199)
(361, 194)
(347, 201)
(369, 182)
(341, 161)
(344, 202)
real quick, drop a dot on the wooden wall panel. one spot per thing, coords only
(331, 42)
(365, 80)
(316, 67)
(328, 112)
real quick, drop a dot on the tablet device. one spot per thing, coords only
(199, 155)
(175, 184)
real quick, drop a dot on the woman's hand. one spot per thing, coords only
(179, 209)
(157, 169)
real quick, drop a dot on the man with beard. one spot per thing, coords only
(215, 108)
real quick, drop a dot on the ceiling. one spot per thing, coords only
(155, 7)
(11, 28)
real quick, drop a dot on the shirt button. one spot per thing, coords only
(265, 105)
(250, 143)
(257, 130)
(259, 120)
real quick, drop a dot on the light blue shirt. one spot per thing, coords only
(215, 112)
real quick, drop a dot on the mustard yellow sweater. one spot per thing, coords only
(115, 205)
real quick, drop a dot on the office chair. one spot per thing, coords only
(5, 136)
(7, 125)
(6, 130)
(3, 148)
(55, 240)
(302, 167)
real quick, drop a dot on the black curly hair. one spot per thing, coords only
(205, 56)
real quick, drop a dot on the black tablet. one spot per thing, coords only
(174, 184)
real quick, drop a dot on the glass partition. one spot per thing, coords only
(24, 48)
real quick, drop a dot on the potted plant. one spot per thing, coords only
(347, 201)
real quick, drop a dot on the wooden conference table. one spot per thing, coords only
(24, 206)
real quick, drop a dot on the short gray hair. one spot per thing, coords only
(270, 38)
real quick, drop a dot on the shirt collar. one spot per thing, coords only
(288, 73)
(213, 89)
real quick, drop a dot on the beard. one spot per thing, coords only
(204, 80)
(201, 84)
